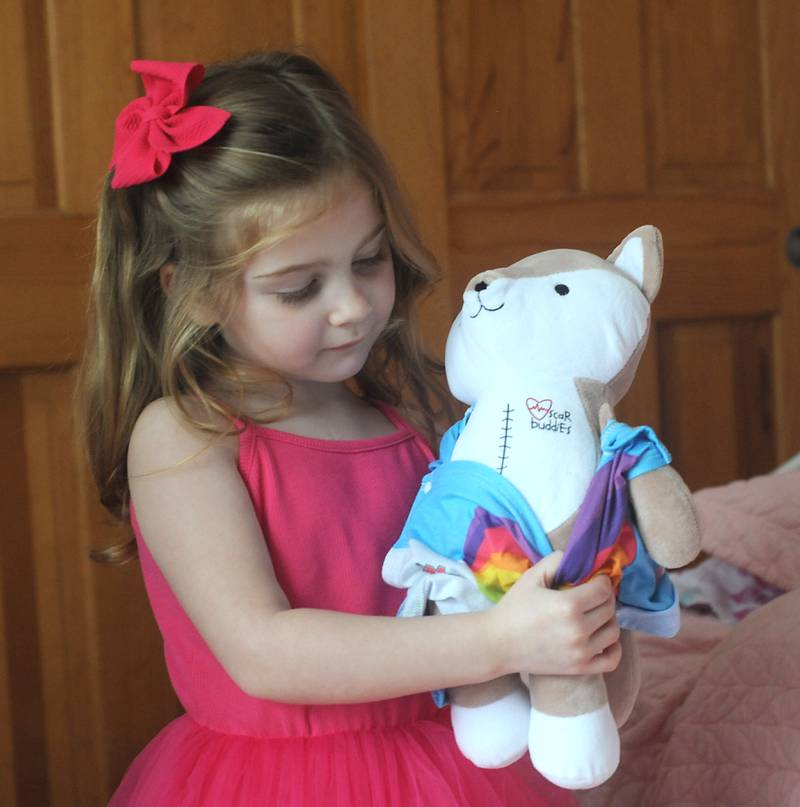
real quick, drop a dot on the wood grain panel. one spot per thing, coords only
(42, 288)
(698, 400)
(755, 395)
(717, 398)
(136, 697)
(184, 30)
(8, 784)
(16, 197)
(76, 761)
(332, 33)
(91, 43)
(104, 698)
(16, 148)
(705, 93)
(719, 249)
(37, 60)
(508, 75)
(22, 658)
(780, 45)
(413, 143)
(612, 133)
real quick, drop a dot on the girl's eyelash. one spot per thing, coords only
(373, 260)
(300, 295)
(309, 290)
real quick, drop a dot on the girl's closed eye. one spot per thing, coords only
(368, 265)
(373, 261)
(296, 296)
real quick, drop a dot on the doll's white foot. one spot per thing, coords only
(575, 752)
(495, 734)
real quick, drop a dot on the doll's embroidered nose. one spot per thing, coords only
(480, 286)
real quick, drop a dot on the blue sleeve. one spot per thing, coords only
(448, 440)
(639, 441)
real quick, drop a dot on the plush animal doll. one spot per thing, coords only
(541, 352)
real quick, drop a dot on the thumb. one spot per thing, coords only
(544, 572)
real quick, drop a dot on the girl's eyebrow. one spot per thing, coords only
(296, 267)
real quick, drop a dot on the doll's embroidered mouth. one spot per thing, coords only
(484, 308)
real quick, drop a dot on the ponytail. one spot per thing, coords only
(119, 375)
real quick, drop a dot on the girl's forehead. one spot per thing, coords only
(347, 200)
(315, 221)
(264, 223)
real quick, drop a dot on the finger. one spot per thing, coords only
(593, 594)
(601, 615)
(606, 661)
(604, 637)
(543, 573)
(611, 657)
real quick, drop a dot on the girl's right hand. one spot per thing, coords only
(545, 631)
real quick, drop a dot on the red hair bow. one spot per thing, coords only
(152, 128)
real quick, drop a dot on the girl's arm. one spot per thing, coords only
(200, 526)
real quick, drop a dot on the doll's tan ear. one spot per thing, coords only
(641, 257)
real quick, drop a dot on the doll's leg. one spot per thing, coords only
(573, 737)
(623, 683)
(490, 721)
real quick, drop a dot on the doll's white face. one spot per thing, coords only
(583, 323)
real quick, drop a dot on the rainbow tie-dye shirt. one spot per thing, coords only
(471, 534)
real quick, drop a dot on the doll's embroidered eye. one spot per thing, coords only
(562, 289)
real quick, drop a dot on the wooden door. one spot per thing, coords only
(82, 679)
(515, 125)
(571, 123)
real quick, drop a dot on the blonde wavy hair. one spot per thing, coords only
(292, 136)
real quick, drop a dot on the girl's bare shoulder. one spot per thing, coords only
(163, 437)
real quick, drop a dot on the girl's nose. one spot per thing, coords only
(351, 305)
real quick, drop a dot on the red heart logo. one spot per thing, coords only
(539, 409)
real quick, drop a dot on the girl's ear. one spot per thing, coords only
(165, 277)
(201, 315)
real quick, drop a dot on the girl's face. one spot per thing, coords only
(313, 305)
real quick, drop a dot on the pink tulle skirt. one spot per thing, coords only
(413, 765)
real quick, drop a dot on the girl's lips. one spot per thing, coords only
(347, 345)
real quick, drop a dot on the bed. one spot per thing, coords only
(718, 717)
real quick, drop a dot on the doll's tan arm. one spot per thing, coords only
(664, 512)
(665, 516)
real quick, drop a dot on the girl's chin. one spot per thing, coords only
(331, 373)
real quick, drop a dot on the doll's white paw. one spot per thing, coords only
(575, 752)
(496, 734)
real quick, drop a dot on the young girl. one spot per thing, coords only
(253, 340)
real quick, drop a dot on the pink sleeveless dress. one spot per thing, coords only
(330, 511)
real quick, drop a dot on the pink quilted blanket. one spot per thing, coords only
(718, 718)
